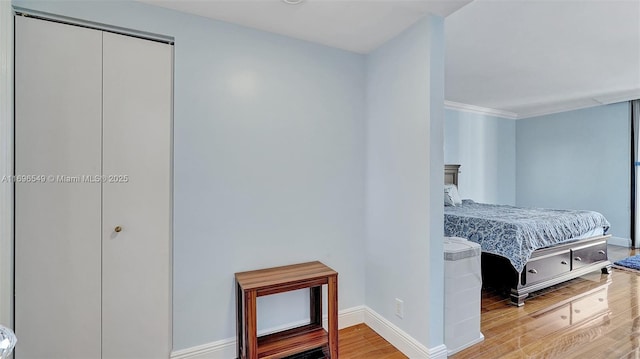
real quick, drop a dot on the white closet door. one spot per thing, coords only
(136, 302)
(57, 232)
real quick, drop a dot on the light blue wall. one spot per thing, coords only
(269, 162)
(485, 147)
(578, 160)
(404, 147)
(435, 46)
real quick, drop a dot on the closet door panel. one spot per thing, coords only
(58, 94)
(137, 197)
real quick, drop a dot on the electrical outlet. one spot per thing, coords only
(399, 308)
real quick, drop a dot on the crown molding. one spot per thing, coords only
(451, 105)
(616, 97)
(549, 108)
(580, 103)
(557, 109)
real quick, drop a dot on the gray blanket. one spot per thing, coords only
(515, 232)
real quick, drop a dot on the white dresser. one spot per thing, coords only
(462, 286)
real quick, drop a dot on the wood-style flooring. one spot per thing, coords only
(594, 316)
(361, 342)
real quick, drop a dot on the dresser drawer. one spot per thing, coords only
(583, 256)
(545, 267)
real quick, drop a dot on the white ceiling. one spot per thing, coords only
(513, 58)
(353, 25)
(536, 57)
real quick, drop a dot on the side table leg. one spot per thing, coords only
(250, 321)
(239, 321)
(332, 294)
(315, 301)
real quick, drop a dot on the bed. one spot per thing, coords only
(522, 254)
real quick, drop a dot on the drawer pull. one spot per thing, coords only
(533, 271)
(564, 262)
(602, 252)
(578, 259)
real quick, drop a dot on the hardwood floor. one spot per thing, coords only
(361, 342)
(594, 316)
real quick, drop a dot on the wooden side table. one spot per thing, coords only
(253, 284)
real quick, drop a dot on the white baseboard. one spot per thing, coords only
(619, 241)
(226, 348)
(348, 317)
(283, 327)
(401, 340)
(465, 346)
(221, 349)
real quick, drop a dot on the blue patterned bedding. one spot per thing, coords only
(515, 232)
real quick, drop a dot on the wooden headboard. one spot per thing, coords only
(451, 174)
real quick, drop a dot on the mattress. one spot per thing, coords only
(516, 232)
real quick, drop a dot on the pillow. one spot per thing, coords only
(456, 196)
(448, 199)
(451, 196)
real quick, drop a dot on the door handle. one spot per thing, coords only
(118, 229)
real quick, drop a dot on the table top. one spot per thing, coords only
(268, 277)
